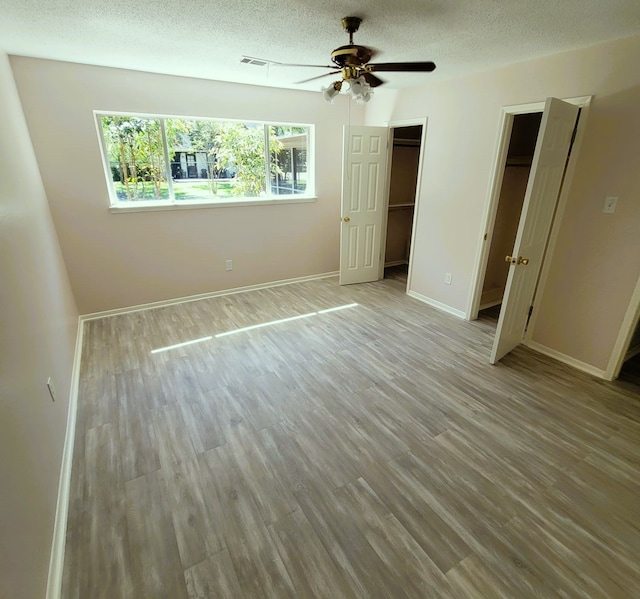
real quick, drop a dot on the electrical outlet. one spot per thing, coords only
(609, 205)
(51, 388)
(447, 278)
(228, 265)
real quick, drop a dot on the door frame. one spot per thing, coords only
(391, 125)
(491, 205)
(627, 328)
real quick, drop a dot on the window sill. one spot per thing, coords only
(190, 205)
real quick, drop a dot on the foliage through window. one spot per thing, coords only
(159, 160)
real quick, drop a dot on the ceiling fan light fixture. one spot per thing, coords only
(330, 92)
(360, 90)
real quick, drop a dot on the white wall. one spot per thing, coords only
(597, 260)
(119, 260)
(38, 324)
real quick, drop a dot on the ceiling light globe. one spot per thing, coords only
(330, 92)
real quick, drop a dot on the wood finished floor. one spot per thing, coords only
(365, 452)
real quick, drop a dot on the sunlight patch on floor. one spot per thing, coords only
(255, 326)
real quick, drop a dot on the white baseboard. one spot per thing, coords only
(56, 560)
(556, 355)
(436, 304)
(202, 296)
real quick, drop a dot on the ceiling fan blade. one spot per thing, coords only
(412, 67)
(314, 78)
(372, 80)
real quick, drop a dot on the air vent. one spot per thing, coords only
(254, 61)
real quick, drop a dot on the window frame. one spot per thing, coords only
(116, 205)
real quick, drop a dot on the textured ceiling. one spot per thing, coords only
(207, 38)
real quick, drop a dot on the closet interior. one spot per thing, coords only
(405, 160)
(634, 346)
(522, 144)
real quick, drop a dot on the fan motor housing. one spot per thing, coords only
(351, 55)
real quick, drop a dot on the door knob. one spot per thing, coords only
(346, 219)
(518, 260)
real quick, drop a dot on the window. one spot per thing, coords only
(154, 161)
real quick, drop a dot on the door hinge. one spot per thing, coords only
(486, 235)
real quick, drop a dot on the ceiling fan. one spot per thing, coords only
(353, 62)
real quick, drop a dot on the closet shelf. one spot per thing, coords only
(401, 206)
(406, 142)
(519, 161)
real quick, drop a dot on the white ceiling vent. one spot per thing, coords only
(254, 61)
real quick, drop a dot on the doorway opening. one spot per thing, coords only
(521, 129)
(517, 167)
(624, 362)
(405, 159)
(371, 234)
(630, 370)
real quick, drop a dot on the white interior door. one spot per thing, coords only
(363, 180)
(549, 160)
